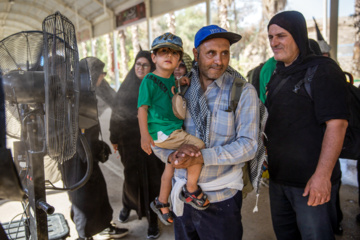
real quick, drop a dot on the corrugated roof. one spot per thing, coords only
(91, 18)
(24, 15)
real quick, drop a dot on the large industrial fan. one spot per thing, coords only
(42, 90)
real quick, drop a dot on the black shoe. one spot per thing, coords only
(124, 215)
(153, 233)
(339, 230)
(358, 218)
(111, 232)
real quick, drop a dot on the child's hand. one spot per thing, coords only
(115, 146)
(184, 81)
(146, 142)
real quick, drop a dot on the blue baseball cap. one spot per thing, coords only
(214, 31)
(168, 40)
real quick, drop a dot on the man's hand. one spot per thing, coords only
(146, 142)
(318, 188)
(187, 155)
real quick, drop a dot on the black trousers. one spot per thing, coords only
(293, 219)
(221, 220)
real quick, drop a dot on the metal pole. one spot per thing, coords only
(36, 186)
(92, 43)
(325, 20)
(334, 14)
(208, 12)
(148, 21)
(116, 70)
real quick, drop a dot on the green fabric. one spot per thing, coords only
(265, 75)
(155, 92)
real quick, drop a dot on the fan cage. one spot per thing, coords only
(19, 52)
(61, 86)
(22, 51)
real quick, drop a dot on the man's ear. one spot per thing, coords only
(195, 52)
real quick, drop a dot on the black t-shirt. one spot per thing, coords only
(296, 123)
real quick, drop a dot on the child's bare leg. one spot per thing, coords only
(193, 173)
(166, 185)
(192, 180)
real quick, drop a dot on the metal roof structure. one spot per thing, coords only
(91, 17)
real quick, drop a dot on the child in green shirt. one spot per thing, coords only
(160, 127)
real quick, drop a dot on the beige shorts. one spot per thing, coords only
(178, 138)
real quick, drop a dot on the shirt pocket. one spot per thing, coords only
(224, 125)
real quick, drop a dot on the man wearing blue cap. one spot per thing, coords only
(230, 138)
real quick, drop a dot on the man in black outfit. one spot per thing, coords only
(305, 131)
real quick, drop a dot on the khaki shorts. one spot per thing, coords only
(178, 138)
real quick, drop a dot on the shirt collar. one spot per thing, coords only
(220, 81)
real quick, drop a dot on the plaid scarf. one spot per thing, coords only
(197, 105)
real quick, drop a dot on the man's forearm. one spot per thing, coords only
(331, 146)
(318, 188)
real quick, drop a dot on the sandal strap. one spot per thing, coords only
(167, 217)
(193, 197)
(196, 193)
(159, 204)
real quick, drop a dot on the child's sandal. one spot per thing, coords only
(165, 218)
(191, 198)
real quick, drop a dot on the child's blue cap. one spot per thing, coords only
(214, 31)
(168, 40)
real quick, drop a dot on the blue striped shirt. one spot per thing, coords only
(233, 135)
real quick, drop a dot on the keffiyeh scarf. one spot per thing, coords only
(197, 105)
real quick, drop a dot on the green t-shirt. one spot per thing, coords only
(265, 75)
(155, 92)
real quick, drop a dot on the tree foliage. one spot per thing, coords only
(186, 23)
(357, 17)
(356, 51)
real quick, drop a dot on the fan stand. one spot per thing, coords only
(36, 194)
(38, 208)
(38, 225)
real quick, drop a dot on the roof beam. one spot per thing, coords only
(68, 8)
(28, 15)
(33, 4)
(108, 10)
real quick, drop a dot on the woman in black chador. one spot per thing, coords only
(142, 172)
(90, 207)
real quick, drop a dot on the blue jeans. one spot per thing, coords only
(293, 219)
(221, 220)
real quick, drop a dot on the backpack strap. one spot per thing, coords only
(309, 75)
(236, 90)
(280, 85)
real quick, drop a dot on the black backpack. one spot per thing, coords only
(351, 146)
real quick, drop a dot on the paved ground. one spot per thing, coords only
(257, 226)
